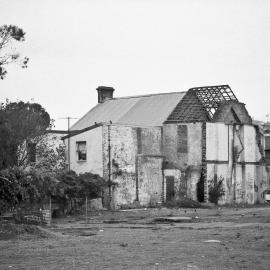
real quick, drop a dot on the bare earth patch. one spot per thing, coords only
(225, 238)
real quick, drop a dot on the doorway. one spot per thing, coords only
(169, 188)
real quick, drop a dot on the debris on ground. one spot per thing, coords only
(10, 230)
(87, 234)
(173, 219)
(184, 203)
(114, 221)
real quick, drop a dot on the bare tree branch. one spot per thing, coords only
(8, 34)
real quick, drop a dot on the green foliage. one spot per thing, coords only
(19, 186)
(216, 190)
(20, 123)
(9, 34)
(23, 187)
(50, 154)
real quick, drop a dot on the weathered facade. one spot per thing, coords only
(158, 148)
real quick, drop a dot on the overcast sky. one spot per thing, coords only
(138, 47)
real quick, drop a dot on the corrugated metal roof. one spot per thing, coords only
(149, 110)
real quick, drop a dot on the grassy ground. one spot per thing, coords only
(132, 239)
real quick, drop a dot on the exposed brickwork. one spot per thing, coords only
(204, 165)
(232, 112)
(136, 165)
(182, 139)
(189, 109)
(212, 96)
(36, 217)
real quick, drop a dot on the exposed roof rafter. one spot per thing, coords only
(212, 96)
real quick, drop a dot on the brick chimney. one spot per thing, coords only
(104, 93)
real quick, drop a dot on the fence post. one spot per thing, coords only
(86, 209)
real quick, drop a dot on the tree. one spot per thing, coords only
(50, 154)
(20, 125)
(9, 34)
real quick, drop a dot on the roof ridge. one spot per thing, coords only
(211, 86)
(148, 95)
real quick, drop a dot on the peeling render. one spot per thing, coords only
(94, 150)
(136, 164)
(149, 165)
(245, 175)
(184, 167)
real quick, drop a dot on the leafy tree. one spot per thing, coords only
(20, 124)
(50, 154)
(9, 34)
(5, 143)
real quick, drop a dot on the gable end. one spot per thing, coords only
(189, 109)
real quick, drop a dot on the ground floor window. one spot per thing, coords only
(81, 151)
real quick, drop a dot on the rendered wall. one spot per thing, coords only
(217, 139)
(182, 160)
(93, 163)
(150, 180)
(244, 174)
(135, 162)
(123, 148)
(185, 167)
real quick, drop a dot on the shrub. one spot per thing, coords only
(27, 187)
(216, 190)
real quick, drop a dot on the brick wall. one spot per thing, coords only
(204, 165)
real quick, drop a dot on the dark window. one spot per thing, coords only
(267, 157)
(169, 188)
(267, 142)
(182, 137)
(81, 150)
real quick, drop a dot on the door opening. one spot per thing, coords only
(169, 188)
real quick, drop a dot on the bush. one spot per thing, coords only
(183, 202)
(27, 187)
(216, 190)
(20, 186)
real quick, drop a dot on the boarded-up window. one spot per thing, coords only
(81, 150)
(267, 157)
(182, 139)
(267, 143)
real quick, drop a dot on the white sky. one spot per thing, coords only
(138, 47)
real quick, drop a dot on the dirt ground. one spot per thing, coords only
(238, 238)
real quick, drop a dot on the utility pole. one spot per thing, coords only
(268, 118)
(68, 131)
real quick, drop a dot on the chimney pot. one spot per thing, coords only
(104, 93)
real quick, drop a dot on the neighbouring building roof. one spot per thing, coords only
(146, 110)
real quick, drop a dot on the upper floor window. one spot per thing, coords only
(182, 139)
(81, 151)
(267, 150)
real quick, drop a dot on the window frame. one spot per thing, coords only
(79, 152)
